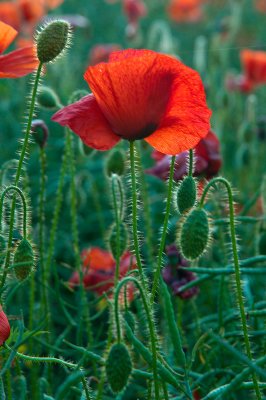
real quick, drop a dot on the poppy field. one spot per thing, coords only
(132, 199)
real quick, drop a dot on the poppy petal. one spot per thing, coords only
(186, 119)
(18, 63)
(132, 95)
(86, 119)
(7, 35)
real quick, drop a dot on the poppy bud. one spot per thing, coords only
(47, 98)
(118, 367)
(262, 243)
(40, 132)
(194, 236)
(2, 249)
(52, 40)
(186, 195)
(115, 163)
(4, 327)
(123, 236)
(23, 259)
(130, 320)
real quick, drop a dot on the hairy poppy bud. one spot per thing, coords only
(262, 243)
(47, 98)
(123, 236)
(187, 194)
(194, 235)
(118, 367)
(115, 163)
(52, 40)
(40, 132)
(4, 327)
(23, 259)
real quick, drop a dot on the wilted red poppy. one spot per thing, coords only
(101, 53)
(99, 269)
(254, 66)
(4, 327)
(185, 10)
(140, 94)
(208, 160)
(19, 62)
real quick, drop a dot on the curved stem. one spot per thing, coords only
(150, 323)
(164, 232)
(239, 289)
(24, 205)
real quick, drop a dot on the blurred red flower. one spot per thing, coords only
(254, 66)
(134, 10)
(99, 269)
(19, 62)
(140, 94)
(101, 53)
(4, 327)
(260, 5)
(208, 160)
(185, 10)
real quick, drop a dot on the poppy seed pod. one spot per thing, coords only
(23, 259)
(115, 163)
(118, 367)
(186, 194)
(47, 98)
(52, 40)
(194, 235)
(40, 132)
(123, 236)
(4, 327)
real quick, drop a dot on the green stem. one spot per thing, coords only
(190, 165)
(239, 289)
(24, 205)
(164, 232)
(44, 300)
(115, 180)
(150, 323)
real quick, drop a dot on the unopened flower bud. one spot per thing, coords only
(40, 132)
(118, 367)
(47, 98)
(194, 236)
(52, 40)
(23, 260)
(186, 195)
(4, 327)
(123, 237)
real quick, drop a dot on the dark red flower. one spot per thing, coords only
(207, 160)
(140, 94)
(175, 277)
(99, 269)
(4, 327)
(134, 10)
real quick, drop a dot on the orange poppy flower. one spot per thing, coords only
(254, 64)
(99, 270)
(140, 94)
(185, 10)
(19, 62)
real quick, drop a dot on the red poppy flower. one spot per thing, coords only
(4, 327)
(19, 62)
(208, 160)
(101, 53)
(99, 269)
(260, 5)
(140, 94)
(134, 10)
(185, 10)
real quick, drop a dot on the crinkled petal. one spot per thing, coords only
(86, 120)
(187, 117)
(18, 63)
(7, 35)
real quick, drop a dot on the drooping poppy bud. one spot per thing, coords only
(52, 40)
(23, 260)
(47, 98)
(123, 236)
(186, 194)
(115, 163)
(4, 327)
(118, 367)
(194, 235)
(40, 132)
